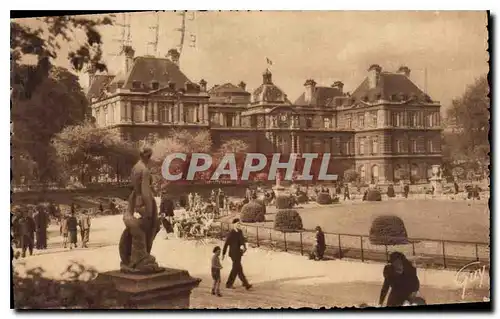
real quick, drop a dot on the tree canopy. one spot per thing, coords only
(468, 117)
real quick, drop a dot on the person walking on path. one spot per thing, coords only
(401, 277)
(41, 222)
(26, 231)
(64, 230)
(320, 246)
(167, 214)
(346, 192)
(236, 244)
(72, 230)
(216, 267)
(84, 223)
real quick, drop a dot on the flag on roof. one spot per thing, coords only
(269, 61)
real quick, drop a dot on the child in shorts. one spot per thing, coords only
(216, 267)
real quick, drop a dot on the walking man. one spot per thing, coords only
(84, 224)
(236, 244)
(64, 230)
(27, 230)
(72, 230)
(41, 222)
(346, 192)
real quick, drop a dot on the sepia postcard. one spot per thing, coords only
(250, 160)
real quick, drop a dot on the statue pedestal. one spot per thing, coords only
(438, 186)
(170, 289)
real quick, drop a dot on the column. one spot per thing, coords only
(130, 116)
(123, 111)
(170, 113)
(181, 112)
(293, 143)
(201, 114)
(175, 113)
(144, 112)
(150, 112)
(206, 118)
(238, 123)
(156, 112)
(221, 119)
(299, 148)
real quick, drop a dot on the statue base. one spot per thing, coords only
(438, 186)
(169, 289)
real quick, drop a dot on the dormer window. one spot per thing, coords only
(365, 98)
(136, 84)
(394, 97)
(155, 85)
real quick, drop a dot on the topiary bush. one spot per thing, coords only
(253, 212)
(301, 198)
(324, 199)
(388, 230)
(288, 220)
(283, 202)
(374, 195)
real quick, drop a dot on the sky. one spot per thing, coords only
(322, 45)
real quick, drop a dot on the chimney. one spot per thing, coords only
(267, 77)
(171, 85)
(174, 55)
(404, 70)
(374, 75)
(128, 58)
(203, 85)
(242, 85)
(310, 86)
(338, 85)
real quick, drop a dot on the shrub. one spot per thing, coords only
(288, 220)
(373, 195)
(388, 230)
(390, 191)
(253, 212)
(324, 199)
(283, 202)
(301, 197)
(336, 200)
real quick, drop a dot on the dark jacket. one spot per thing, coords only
(234, 241)
(320, 239)
(72, 224)
(26, 226)
(167, 207)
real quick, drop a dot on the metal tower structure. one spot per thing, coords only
(156, 29)
(125, 37)
(183, 30)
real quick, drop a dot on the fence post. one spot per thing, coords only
(444, 255)
(340, 248)
(413, 247)
(257, 228)
(477, 253)
(270, 237)
(386, 253)
(362, 254)
(301, 248)
(284, 238)
(221, 230)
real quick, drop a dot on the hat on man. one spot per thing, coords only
(236, 220)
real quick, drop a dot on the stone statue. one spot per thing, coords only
(141, 221)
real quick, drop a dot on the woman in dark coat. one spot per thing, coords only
(320, 247)
(401, 277)
(72, 230)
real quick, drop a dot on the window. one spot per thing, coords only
(309, 122)
(374, 177)
(327, 146)
(163, 109)
(253, 121)
(361, 145)
(362, 172)
(413, 119)
(428, 120)
(348, 120)
(136, 84)
(374, 119)
(230, 119)
(296, 121)
(213, 118)
(106, 119)
(361, 120)
(326, 122)
(375, 145)
(397, 119)
(399, 146)
(413, 146)
(138, 114)
(155, 85)
(430, 147)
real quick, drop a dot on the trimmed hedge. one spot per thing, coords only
(324, 199)
(288, 220)
(373, 195)
(390, 191)
(283, 202)
(388, 230)
(253, 212)
(301, 197)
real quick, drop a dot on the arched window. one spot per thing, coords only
(374, 177)
(414, 172)
(397, 172)
(362, 145)
(375, 145)
(362, 172)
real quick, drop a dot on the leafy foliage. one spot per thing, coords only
(324, 199)
(388, 230)
(253, 212)
(373, 195)
(350, 176)
(288, 220)
(283, 202)
(86, 150)
(469, 117)
(233, 146)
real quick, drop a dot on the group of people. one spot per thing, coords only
(30, 224)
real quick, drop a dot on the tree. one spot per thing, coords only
(233, 146)
(83, 150)
(43, 43)
(58, 101)
(350, 175)
(469, 118)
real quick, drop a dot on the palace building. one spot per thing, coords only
(385, 127)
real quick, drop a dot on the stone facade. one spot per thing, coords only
(385, 127)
